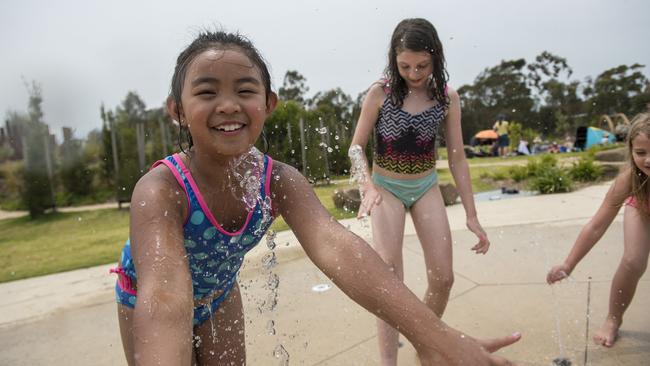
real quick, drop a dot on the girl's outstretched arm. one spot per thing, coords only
(162, 318)
(595, 228)
(460, 170)
(355, 268)
(360, 169)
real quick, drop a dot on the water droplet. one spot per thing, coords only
(280, 353)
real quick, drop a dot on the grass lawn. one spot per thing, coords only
(60, 242)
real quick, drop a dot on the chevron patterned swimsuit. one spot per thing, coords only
(214, 254)
(405, 144)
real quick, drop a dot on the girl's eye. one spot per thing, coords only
(247, 91)
(205, 92)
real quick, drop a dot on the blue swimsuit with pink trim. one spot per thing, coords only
(214, 254)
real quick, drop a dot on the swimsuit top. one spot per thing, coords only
(405, 142)
(214, 254)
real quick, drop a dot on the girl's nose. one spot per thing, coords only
(228, 105)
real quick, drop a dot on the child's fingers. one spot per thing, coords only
(483, 245)
(495, 344)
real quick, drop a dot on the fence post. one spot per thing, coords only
(302, 147)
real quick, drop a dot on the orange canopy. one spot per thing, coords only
(486, 134)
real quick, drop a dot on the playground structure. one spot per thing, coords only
(587, 136)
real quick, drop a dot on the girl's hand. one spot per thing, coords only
(483, 242)
(558, 273)
(371, 198)
(470, 351)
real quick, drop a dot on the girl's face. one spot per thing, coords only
(224, 102)
(641, 152)
(415, 68)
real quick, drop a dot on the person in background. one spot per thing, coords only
(501, 128)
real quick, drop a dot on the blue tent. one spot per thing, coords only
(589, 136)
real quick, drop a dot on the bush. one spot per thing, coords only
(585, 170)
(551, 180)
(518, 173)
(499, 174)
(537, 166)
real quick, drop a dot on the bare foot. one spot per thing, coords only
(608, 332)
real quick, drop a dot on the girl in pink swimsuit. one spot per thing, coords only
(631, 188)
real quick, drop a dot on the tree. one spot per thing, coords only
(293, 87)
(622, 89)
(501, 89)
(38, 192)
(559, 107)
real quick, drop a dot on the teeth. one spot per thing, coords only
(230, 127)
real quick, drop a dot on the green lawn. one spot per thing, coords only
(60, 242)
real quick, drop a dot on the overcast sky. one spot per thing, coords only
(86, 52)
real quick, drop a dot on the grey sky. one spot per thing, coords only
(84, 53)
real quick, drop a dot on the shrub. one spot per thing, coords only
(551, 180)
(537, 166)
(518, 173)
(585, 170)
(499, 174)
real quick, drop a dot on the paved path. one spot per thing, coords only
(70, 318)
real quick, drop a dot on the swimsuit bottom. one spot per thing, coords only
(126, 294)
(407, 190)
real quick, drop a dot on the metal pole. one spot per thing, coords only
(302, 147)
(324, 138)
(48, 165)
(139, 131)
(289, 133)
(116, 166)
(163, 136)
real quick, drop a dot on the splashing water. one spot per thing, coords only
(270, 239)
(562, 360)
(270, 327)
(358, 167)
(247, 170)
(280, 353)
(269, 260)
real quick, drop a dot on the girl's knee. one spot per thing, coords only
(634, 265)
(441, 281)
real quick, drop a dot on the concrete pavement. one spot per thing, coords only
(70, 318)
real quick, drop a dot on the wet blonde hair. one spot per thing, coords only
(640, 185)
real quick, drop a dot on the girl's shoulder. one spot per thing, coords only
(378, 92)
(158, 192)
(621, 187)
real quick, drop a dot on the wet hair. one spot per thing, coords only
(416, 35)
(640, 185)
(213, 40)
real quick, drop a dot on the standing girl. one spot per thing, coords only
(406, 110)
(195, 214)
(630, 188)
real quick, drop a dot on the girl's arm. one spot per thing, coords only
(595, 228)
(460, 170)
(359, 169)
(357, 270)
(162, 318)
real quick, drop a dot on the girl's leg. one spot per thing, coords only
(431, 224)
(387, 236)
(636, 237)
(222, 337)
(125, 317)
